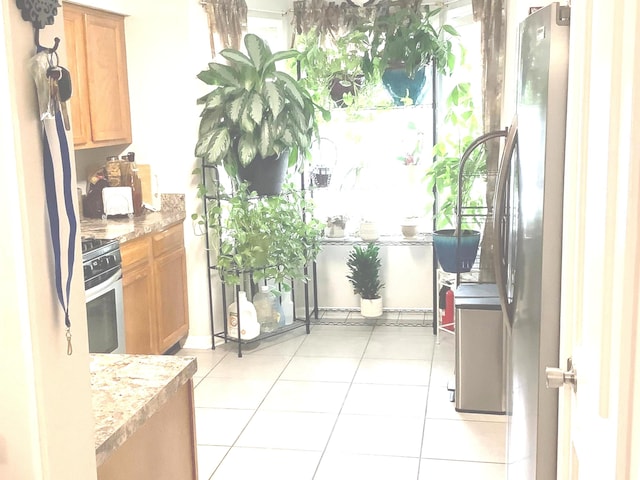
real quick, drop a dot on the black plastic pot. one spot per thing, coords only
(265, 175)
(340, 87)
(456, 254)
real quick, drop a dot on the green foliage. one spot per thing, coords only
(325, 60)
(268, 236)
(254, 110)
(460, 129)
(364, 271)
(407, 36)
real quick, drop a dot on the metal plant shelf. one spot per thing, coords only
(279, 331)
(392, 240)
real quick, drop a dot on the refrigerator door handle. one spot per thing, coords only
(498, 209)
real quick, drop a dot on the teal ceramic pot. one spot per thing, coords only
(399, 85)
(454, 257)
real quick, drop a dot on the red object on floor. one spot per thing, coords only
(447, 317)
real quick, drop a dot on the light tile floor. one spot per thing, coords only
(365, 401)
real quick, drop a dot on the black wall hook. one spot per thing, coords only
(40, 48)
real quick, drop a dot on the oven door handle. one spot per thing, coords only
(100, 289)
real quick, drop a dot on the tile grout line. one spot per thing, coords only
(426, 407)
(324, 451)
(254, 411)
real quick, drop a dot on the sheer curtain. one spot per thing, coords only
(227, 23)
(491, 15)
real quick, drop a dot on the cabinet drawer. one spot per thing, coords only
(135, 252)
(170, 239)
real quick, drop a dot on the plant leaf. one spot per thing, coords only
(255, 107)
(291, 87)
(258, 50)
(276, 57)
(214, 146)
(234, 109)
(275, 98)
(219, 74)
(237, 57)
(246, 149)
(264, 144)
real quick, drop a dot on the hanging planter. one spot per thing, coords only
(342, 85)
(321, 176)
(324, 154)
(456, 253)
(402, 87)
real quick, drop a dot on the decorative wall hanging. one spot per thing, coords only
(39, 12)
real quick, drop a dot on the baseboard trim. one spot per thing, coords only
(198, 342)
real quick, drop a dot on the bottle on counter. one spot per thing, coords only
(249, 326)
(114, 176)
(134, 182)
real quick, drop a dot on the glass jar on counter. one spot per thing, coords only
(114, 176)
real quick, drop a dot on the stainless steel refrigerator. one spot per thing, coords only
(528, 214)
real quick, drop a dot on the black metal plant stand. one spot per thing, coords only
(309, 295)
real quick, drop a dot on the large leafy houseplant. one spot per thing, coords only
(271, 237)
(255, 112)
(460, 195)
(460, 128)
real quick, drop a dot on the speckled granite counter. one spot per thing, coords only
(128, 390)
(124, 228)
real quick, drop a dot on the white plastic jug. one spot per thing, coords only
(249, 326)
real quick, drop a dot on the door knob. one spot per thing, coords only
(557, 377)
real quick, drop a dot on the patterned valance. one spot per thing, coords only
(332, 19)
(227, 23)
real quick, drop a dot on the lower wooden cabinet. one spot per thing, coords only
(163, 448)
(154, 280)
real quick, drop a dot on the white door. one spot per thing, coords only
(601, 245)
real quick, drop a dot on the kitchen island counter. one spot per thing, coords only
(127, 390)
(123, 228)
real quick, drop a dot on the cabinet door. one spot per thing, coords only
(107, 78)
(77, 65)
(170, 277)
(139, 312)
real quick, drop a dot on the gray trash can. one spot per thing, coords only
(480, 350)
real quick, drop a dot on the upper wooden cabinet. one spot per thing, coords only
(97, 61)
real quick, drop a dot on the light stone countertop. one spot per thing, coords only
(128, 389)
(124, 228)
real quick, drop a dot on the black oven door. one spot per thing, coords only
(105, 316)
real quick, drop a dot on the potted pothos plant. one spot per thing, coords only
(458, 195)
(272, 237)
(257, 121)
(364, 275)
(401, 43)
(331, 68)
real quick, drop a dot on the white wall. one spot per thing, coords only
(406, 272)
(167, 46)
(46, 420)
